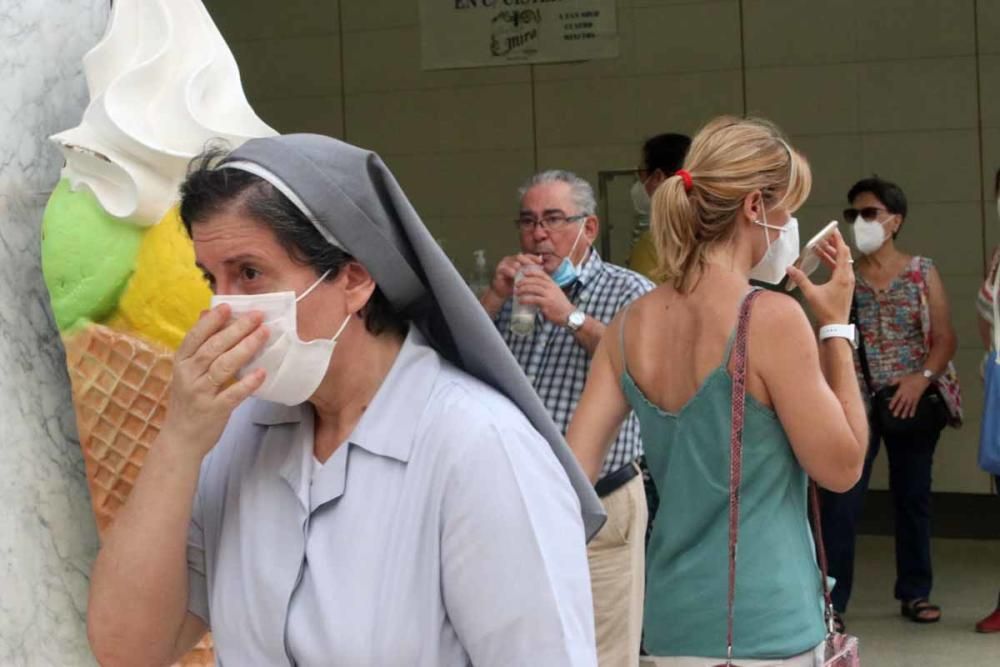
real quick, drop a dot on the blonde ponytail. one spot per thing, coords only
(729, 159)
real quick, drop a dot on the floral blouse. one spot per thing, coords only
(891, 324)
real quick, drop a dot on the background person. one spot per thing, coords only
(984, 306)
(576, 294)
(660, 157)
(908, 342)
(722, 221)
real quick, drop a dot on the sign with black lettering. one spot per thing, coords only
(486, 33)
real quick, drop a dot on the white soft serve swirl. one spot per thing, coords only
(162, 84)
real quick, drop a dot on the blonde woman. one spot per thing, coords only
(722, 220)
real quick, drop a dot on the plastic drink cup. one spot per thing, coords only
(522, 316)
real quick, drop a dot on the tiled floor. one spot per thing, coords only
(967, 579)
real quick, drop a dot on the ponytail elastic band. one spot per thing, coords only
(686, 177)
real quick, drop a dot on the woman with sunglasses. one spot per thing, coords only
(724, 219)
(906, 343)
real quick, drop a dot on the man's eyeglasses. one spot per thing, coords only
(547, 222)
(868, 213)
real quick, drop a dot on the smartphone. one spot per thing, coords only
(809, 261)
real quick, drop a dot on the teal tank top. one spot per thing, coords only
(779, 601)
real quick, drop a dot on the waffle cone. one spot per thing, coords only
(120, 388)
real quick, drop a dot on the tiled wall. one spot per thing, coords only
(909, 89)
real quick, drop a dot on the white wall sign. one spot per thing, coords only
(485, 33)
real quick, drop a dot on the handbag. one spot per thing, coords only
(989, 433)
(840, 650)
(931, 414)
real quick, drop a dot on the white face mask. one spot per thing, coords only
(781, 253)
(294, 368)
(640, 198)
(868, 236)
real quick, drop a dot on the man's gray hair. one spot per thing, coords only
(580, 190)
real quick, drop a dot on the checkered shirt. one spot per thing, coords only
(557, 365)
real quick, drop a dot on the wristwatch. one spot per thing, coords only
(575, 320)
(848, 331)
(929, 375)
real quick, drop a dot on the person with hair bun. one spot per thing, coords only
(722, 220)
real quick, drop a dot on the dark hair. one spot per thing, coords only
(887, 192)
(208, 191)
(996, 184)
(665, 152)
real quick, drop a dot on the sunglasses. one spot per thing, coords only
(868, 214)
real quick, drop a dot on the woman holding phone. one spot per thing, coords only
(722, 220)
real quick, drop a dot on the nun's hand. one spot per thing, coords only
(502, 285)
(203, 390)
(538, 289)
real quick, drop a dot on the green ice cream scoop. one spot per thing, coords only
(87, 256)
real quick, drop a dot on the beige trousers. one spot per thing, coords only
(813, 658)
(617, 576)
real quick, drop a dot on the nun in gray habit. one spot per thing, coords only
(353, 469)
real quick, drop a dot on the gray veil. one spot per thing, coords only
(356, 203)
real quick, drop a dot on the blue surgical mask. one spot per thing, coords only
(567, 273)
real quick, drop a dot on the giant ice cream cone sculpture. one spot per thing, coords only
(117, 261)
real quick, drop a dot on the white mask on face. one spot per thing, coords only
(868, 236)
(640, 198)
(294, 368)
(781, 253)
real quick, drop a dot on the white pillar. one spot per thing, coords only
(47, 534)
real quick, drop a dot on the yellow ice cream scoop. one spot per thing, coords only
(167, 291)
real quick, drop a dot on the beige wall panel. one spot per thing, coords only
(778, 32)
(576, 113)
(989, 82)
(961, 290)
(389, 61)
(482, 183)
(949, 233)
(289, 67)
(819, 99)
(835, 160)
(418, 174)
(587, 160)
(465, 185)
(486, 117)
(988, 20)
(245, 20)
(319, 115)
(685, 102)
(687, 38)
(405, 122)
(918, 95)
(377, 14)
(890, 29)
(929, 166)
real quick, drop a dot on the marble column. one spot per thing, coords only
(47, 535)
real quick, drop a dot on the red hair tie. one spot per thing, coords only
(686, 177)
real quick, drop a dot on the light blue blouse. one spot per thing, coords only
(444, 532)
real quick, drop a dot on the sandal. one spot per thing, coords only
(920, 611)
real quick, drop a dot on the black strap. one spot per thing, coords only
(862, 355)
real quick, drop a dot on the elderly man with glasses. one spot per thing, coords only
(573, 293)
